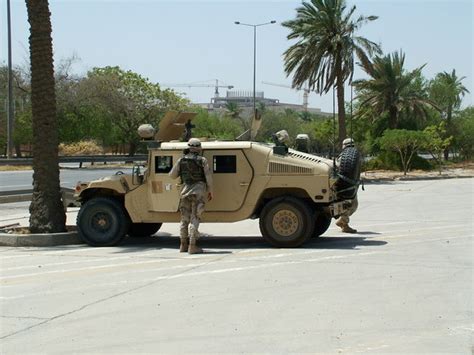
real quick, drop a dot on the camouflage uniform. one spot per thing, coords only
(197, 183)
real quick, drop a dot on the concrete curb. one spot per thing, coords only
(39, 240)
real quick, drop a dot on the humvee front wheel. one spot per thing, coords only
(286, 222)
(143, 229)
(102, 221)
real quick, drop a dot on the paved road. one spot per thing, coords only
(23, 179)
(402, 285)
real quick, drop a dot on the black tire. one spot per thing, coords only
(102, 221)
(143, 229)
(286, 222)
(323, 221)
(349, 168)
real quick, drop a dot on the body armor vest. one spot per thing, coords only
(191, 169)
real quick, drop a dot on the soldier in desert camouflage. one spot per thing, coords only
(193, 169)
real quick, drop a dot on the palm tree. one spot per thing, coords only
(391, 89)
(323, 55)
(447, 91)
(46, 209)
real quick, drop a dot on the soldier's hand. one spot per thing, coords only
(209, 196)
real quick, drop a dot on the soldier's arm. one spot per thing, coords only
(207, 173)
(174, 173)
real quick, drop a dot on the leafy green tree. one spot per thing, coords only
(273, 122)
(22, 106)
(46, 209)
(463, 128)
(321, 134)
(216, 127)
(437, 142)
(130, 100)
(23, 133)
(447, 90)
(323, 55)
(405, 143)
(391, 90)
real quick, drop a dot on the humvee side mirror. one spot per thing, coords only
(137, 175)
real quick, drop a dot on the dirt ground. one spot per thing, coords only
(459, 170)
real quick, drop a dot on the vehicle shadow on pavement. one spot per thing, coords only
(167, 241)
(342, 242)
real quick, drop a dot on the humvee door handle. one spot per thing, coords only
(244, 184)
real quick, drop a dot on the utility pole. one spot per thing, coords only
(254, 58)
(10, 112)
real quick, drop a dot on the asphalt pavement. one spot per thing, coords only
(402, 284)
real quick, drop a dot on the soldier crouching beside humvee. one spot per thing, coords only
(193, 169)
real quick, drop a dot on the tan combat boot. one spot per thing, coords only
(183, 246)
(345, 227)
(348, 229)
(193, 248)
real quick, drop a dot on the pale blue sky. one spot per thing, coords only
(195, 41)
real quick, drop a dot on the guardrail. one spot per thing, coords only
(25, 195)
(81, 159)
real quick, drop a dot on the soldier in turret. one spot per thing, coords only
(193, 169)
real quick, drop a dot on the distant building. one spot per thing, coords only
(244, 100)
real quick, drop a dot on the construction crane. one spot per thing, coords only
(305, 92)
(201, 85)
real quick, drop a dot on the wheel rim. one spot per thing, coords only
(101, 222)
(285, 222)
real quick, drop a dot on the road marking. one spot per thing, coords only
(198, 273)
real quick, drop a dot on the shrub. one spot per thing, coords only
(405, 143)
(80, 148)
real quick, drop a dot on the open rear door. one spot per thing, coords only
(173, 125)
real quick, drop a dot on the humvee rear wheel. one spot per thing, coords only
(322, 223)
(286, 222)
(143, 229)
(102, 222)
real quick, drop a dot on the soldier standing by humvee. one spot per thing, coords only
(193, 169)
(343, 221)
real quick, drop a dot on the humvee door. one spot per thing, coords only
(164, 191)
(232, 175)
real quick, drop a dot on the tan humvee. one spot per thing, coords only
(292, 193)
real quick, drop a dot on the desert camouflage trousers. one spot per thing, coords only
(344, 218)
(191, 208)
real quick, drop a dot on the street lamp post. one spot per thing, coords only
(10, 112)
(254, 56)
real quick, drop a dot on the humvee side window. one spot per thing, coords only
(224, 164)
(163, 164)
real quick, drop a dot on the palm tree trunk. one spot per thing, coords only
(46, 209)
(392, 118)
(449, 115)
(341, 109)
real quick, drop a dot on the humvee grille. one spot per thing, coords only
(278, 168)
(303, 156)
